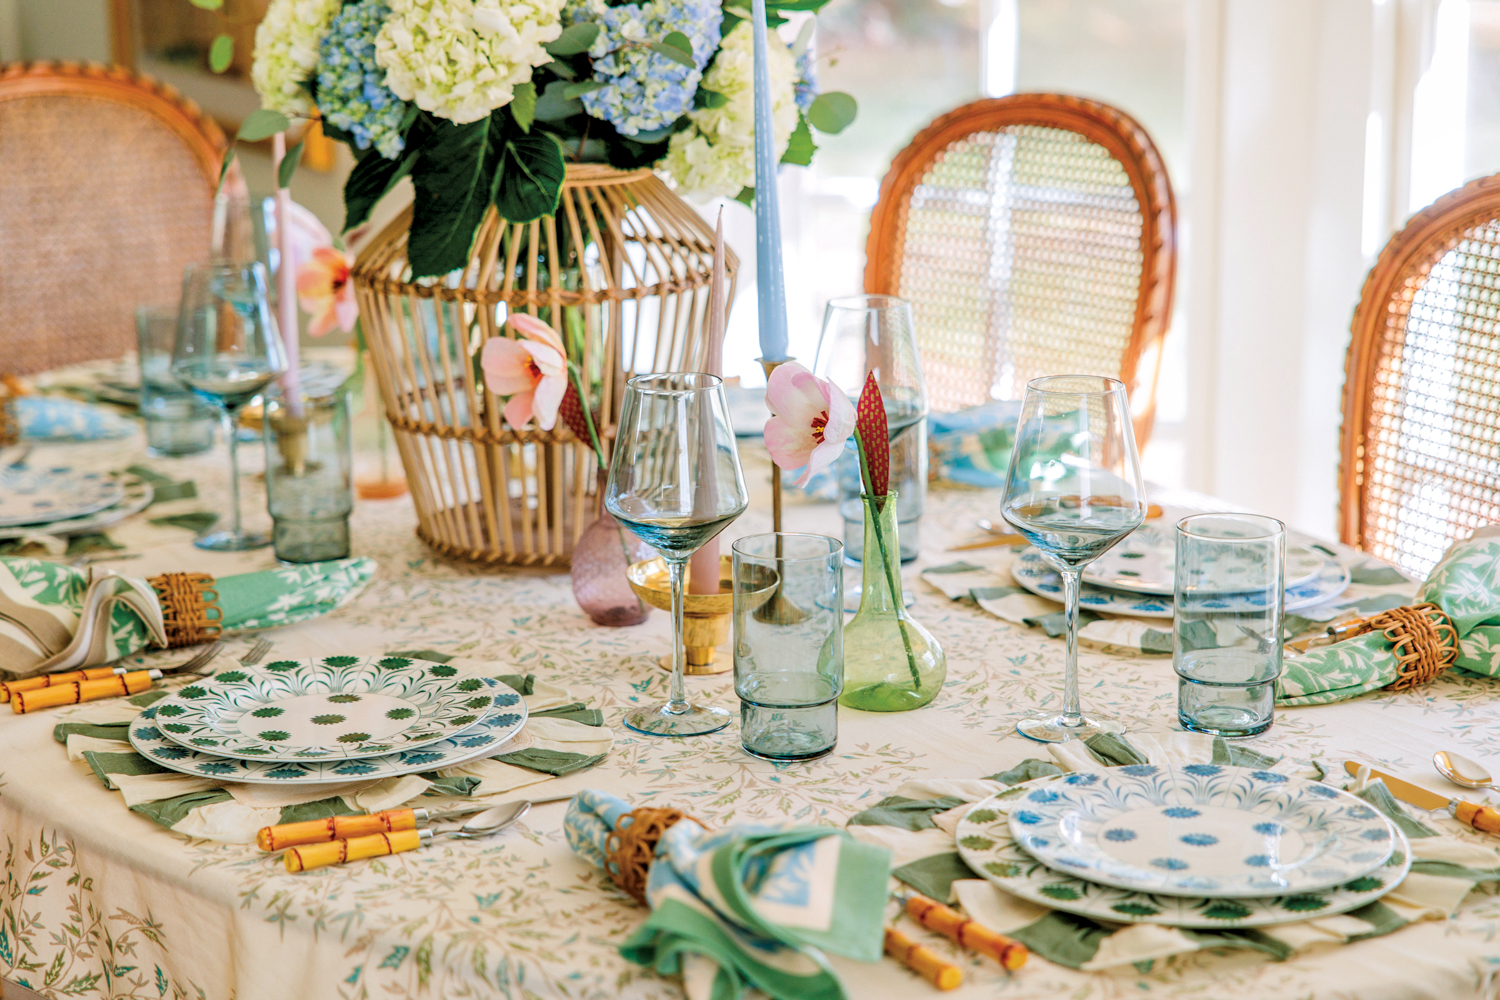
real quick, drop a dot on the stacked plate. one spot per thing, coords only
(1200, 845)
(61, 500)
(1137, 577)
(334, 719)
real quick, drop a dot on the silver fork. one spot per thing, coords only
(257, 652)
(202, 657)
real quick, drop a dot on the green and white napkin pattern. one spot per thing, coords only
(751, 906)
(54, 617)
(917, 825)
(1465, 585)
(561, 736)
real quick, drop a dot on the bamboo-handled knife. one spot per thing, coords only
(1485, 819)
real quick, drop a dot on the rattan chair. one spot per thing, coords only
(1420, 446)
(1034, 235)
(107, 183)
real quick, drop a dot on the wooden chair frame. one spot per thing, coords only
(1109, 127)
(1388, 293)
(200, 133)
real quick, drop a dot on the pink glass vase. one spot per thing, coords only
(600, 558)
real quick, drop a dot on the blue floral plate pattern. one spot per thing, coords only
(986, 845)
(1203, 830)
(41, 496)
(1031, 572)
(482, 739)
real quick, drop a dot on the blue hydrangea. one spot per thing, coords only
(806, 87)
(351, 89)
(645, 91)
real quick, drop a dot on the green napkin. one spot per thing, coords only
(1465, 585)
(54, 617)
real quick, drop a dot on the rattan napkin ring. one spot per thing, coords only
(631, 846)
(1422, 637)
(189, 608)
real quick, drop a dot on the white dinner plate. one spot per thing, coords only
(1032, 573)
(484, 739)
(1205, 830)
(138, 496)
(986, 845)
(333, 707)
(1145, 561)
(39, 496)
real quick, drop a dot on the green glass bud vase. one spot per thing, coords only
(891, 663)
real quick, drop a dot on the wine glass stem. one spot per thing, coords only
(1072, 713)
(231, 438)
(677, 699)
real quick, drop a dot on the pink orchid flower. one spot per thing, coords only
(810, 420)
(533, 372)
(325, 291)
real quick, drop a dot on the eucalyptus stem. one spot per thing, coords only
(892, 571)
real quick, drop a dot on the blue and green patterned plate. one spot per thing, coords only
(1202, 830)
(483, 739)
(986, 845)
(336, 707)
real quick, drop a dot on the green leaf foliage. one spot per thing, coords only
(455, 167)
(572, 90)
(529, 181)
(706, 98)
(574, 39)
(554, 105)
(220, 53)
(262, 124)
(559, 69)
(523, 105)
(371, 179)
(800, 148)
(746, 197)
(208, 4)
(682, 53)
(289, 165)
(832, 112)
(224, 168)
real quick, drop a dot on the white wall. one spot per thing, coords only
(1273, 251)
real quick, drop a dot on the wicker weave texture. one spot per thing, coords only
(621, 271)
(1034, 235)
(104, 206)
(1022, 259)
(1427, 466)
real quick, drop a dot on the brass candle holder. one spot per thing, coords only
(705, 617)
(778, 610)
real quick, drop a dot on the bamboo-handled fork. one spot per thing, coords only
(76, 686)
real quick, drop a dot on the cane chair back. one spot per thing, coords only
(108, 181)
(1034, 235)
(1420, 445)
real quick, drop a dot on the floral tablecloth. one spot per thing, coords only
(99, 902)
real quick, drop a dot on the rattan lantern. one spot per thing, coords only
(621, 271)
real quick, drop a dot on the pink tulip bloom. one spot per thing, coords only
(810, 420)
(533, 372)
(325, 291)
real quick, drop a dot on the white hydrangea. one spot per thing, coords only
(286, 51)
(716, 157)
(461, 59)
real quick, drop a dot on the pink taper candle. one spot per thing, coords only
(286, 284)
(703, 568)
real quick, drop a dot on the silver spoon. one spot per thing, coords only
(1461, 770)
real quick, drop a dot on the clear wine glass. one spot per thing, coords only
(227, 351)
(864, 334)
(1074, 489)
(675, 481)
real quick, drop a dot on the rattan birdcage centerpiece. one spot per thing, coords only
(621, 270)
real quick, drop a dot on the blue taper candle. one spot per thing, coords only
(769, 284)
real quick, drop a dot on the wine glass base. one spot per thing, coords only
(657, 720)
(1048, 727)
(233, 541)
